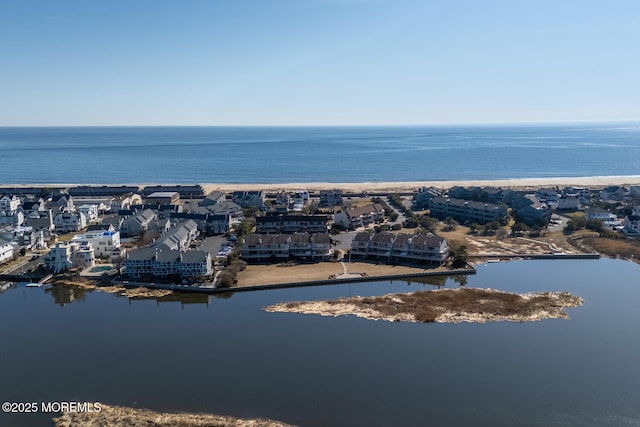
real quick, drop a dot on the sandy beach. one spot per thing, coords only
(357, 187)
(594, 182)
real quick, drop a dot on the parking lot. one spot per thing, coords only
(213, 245)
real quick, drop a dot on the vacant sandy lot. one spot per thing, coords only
(479, 245)
(271, 274)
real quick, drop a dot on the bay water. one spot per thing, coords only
(228, 356)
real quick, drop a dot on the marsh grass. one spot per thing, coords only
(469, 303)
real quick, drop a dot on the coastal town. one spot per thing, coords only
(186, 238)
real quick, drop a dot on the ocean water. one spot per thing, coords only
(316, 154)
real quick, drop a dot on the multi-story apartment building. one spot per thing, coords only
(104, 242)
(292, 224)
(179, 237)
(360, 217)
(154, 262)
(418, 247)
(138, 223)
(466, 210)
(282, 247)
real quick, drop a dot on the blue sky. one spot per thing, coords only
(317, 62)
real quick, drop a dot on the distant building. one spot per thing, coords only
(613, 193)
(330, 198)
(213, 198)
(137, 224)
(61, 202)
(218, 224)
(14, 218)
(568, 202)
(423, 196)
(9, 204)
(360, 217)
(102, 191)
(248, 199)
(163, 198)
(179, 237)
(67, 222)
(184, 190)
(547, 195)
(599, 214)
(227, 208)
(466, 210)
(292, 224)
(530, 210)
(90, 211)
(632, 225)
(124, 201)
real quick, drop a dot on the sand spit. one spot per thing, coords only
(443, 306)
(118, 416)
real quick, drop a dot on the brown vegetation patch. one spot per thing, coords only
(117, 416)
(443, 305)
(615, 248)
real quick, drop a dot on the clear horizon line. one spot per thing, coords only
(513, 123)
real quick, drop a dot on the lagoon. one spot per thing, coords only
(228, 356)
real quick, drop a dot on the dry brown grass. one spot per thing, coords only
(444, 305)
(615, 248)
(117, 416)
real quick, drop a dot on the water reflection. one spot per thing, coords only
(183, 299)
(5, 286)
(66, 294)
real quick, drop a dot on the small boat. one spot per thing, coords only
(33, 285)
